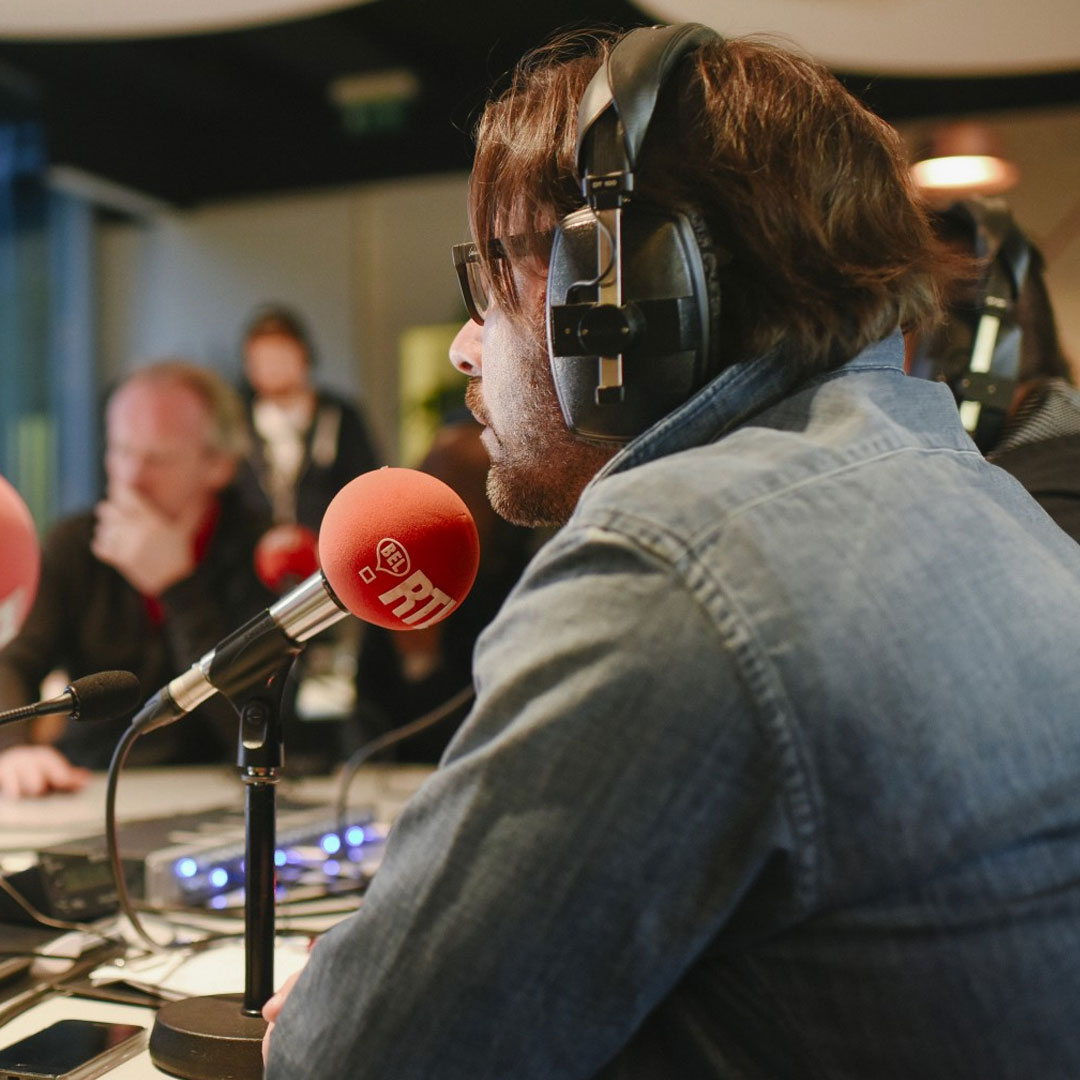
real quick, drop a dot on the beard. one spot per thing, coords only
(538, 466)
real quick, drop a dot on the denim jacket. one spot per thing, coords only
(774, 772)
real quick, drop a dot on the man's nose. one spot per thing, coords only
(466, 350)
(127, 467)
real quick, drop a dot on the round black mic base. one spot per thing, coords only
(208, 1038)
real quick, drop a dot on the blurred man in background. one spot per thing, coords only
(147, 581)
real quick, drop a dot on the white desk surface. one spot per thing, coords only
(144, 793)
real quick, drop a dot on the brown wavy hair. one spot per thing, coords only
(805, 188)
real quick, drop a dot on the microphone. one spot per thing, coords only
(103, 696)
(398, 548)
(285, 555)
(20, 561)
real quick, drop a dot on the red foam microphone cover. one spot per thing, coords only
(285, 555)
(20, 561)
(399, 548)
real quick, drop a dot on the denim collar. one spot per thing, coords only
(736, 395)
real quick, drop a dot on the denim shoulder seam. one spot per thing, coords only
(838, 470)
(841, 372)
(768, 698)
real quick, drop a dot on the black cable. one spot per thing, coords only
(47, 920)
(362, 754)
(392, 738)
(59, 983)
(123, 748)
(169, 910)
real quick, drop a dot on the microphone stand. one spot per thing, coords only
(220, 1035)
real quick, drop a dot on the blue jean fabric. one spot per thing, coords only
(774, 772)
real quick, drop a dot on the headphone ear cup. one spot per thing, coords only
(665, 296)
(979, 353)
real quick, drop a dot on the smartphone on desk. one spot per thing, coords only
(71, 1050)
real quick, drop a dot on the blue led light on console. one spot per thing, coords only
(205, 856)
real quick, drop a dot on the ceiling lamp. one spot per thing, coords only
(963, 159)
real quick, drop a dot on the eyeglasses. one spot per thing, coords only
(470, 272)
(470, 268)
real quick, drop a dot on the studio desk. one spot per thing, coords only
(114, 983)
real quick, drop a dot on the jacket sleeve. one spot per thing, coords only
(584, 840)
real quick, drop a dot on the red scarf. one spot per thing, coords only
(200, 544)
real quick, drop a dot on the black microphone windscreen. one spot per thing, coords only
(105, 695)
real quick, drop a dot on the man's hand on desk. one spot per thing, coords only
(272, 1008)
(30, 771)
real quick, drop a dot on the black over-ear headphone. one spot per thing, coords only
(629, 313)
(978, 350)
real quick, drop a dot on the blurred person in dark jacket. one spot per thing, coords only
(404, 675)
(308, 441)
(146, 581)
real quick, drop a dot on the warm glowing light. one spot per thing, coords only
(965, 173)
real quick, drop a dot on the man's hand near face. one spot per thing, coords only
(149, 549)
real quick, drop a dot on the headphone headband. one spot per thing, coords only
(623, 95)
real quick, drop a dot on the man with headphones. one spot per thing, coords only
(999, 352)
(773, 767)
